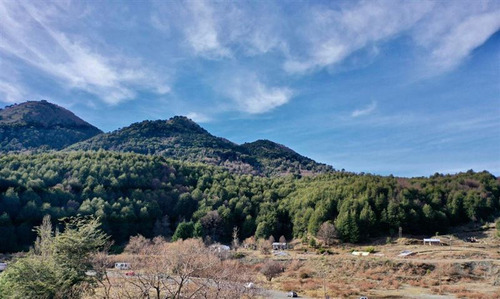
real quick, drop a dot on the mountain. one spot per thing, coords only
(37, 125)
(278, 158)
(182, 139)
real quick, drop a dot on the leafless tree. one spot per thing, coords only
(183, 269)
(271, 269)
(327, 233)
(136, 244)
(100, 263)
(236, 241)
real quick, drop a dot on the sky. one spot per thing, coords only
(408, 88)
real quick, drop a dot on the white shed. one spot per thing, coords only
(122, 266)
(432, 241)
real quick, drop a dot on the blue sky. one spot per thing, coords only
(403, 87)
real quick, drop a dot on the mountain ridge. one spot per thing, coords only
(183, 139)
(40, 125)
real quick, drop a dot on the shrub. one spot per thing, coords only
(238, 255)
(370, 249)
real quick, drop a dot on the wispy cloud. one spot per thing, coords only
(453, 29)
(201, 32)
(251, 95)
(447, 32)
(461, 40)
(331, 35)
(29, 34)
(365, 111)
(199, 117)
(218, 30)
(263, 36)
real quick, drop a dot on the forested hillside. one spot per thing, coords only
(41, 125)
(151, 195)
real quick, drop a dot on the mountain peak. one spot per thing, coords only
(40, 113)
(41, 125)
(182, 122)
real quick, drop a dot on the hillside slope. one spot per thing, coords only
(276, 158)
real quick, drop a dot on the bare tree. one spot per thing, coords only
(136, 244)
(100, 262)
(184, 269)
(327, 233)
(228, 279)
(236, 241)
(282, 239)
(271, 269)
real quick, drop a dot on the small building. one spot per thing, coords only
(122, 266)
(360, 253)
(432, 241)
(219, 248)
(280, 246)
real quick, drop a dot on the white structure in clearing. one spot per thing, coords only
(122, 266)
(360, 253)
(432, 241)
(279, 246)
(219, 248)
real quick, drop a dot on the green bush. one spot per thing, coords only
(238, 255)
(370, 249)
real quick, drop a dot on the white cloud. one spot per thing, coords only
(312, 36)
(30, 35)
(218, 30)
(201, 32)
(300, 38)
(199, 117)
(365, 111)
(461, 40)
(331, 35)
(197, 21)
(446, 32)
(252, 96)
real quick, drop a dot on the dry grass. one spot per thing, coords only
(463, 270)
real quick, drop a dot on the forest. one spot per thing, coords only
(152, 195)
